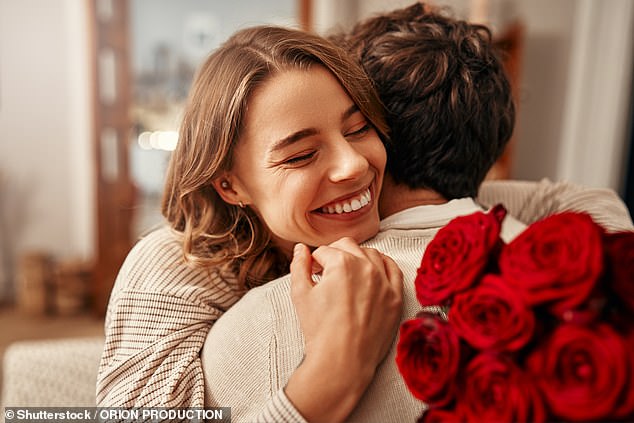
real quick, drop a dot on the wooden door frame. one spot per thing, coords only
(305, 14)
(115, 192)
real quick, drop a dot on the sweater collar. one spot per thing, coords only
(430, 216)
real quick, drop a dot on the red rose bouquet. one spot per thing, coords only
(539, 329)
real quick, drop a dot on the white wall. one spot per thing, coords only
(546, 60)
(599, 94)
(45, 116)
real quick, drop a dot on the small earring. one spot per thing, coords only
(241, 204)
(224, 184)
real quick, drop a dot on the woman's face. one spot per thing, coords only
(308, 162)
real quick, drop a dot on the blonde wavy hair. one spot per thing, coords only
(215, 233)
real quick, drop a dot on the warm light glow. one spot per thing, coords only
(167, 140)
(144, 140)
(158, 140)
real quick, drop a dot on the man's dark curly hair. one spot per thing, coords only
(447, 96)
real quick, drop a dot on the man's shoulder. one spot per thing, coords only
(390, 240)
(255, 320)
(271, 291)
(250, 318)
(261, 302)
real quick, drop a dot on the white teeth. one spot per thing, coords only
(349, 206)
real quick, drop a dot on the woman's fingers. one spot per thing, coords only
(378, 259)
(346, 244)
(394, 273)
(350, 246)
(301, 270)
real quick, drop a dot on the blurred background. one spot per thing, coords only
(90, 99)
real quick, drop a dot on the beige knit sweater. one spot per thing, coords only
(160, 309)
(254, 348)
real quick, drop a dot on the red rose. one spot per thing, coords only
(581, 371)
(495, 389)
(428, 355)
(457, 256)
(619, 249)
(441, 415)
(556, 261)
(625, 404)
(589, 312)
(492, 315)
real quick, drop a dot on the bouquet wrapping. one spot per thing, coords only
(539, 329)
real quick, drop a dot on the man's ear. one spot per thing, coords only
(230, 190)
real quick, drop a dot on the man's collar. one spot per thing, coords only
(430, 216)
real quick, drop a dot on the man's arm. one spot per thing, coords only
(530, 201)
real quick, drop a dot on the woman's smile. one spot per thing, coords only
(350, 206)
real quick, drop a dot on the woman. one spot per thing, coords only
(279, 144)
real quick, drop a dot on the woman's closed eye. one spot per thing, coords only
(299, 159)
(358, 131)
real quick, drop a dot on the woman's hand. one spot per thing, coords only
(349, 320)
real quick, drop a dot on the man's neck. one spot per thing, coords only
(399, 197)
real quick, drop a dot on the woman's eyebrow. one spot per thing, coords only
(349, 112)
(307, 132)
(292, 138)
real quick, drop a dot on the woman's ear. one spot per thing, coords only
(229, 190)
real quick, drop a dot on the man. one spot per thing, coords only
(449, 106)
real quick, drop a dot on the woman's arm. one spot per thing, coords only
(158, 317)
(530, 201)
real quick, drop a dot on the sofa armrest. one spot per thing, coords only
(51, 373)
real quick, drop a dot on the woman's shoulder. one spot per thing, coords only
(161, 246)
(156, 264)
(155, 254)
(159, 238)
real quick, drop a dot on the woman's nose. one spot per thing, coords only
(347, 163)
